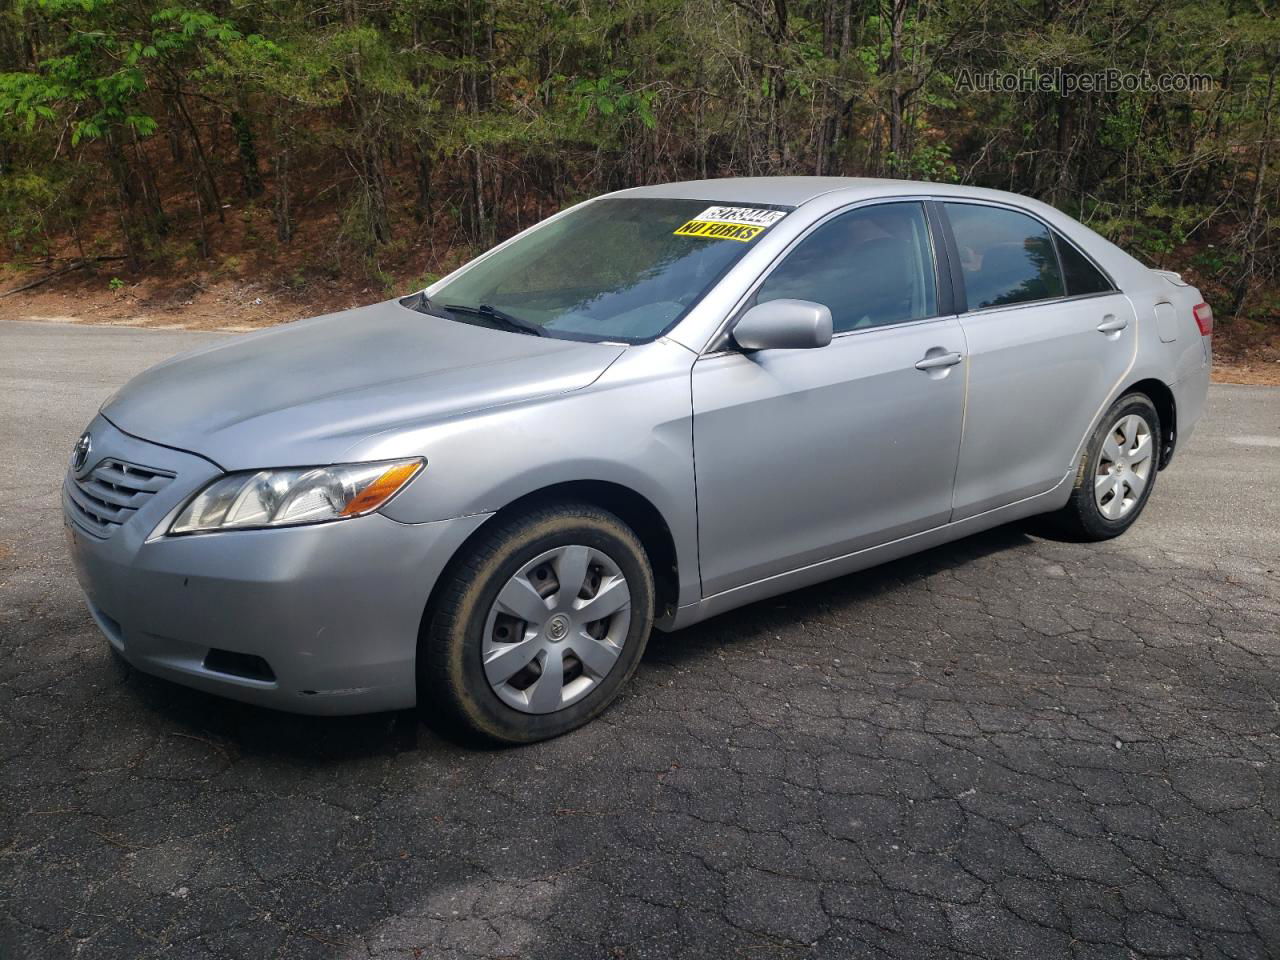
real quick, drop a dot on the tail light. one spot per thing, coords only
(1204, 318)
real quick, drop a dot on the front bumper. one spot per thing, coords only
(334, 609)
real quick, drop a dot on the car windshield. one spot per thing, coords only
(614, 269)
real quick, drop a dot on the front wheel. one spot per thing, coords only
(538, 625)
(1117, 471)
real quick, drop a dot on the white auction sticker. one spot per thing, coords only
(756, 216)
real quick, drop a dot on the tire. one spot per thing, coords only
(1103, 474)
(471, 637)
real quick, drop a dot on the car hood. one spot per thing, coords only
(306, 392)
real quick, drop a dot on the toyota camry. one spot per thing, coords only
(651, 408)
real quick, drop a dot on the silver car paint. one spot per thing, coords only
(790, 481)
(1036, 374)
(304, 393)
(784, 324)
(334, 608)
(631, 427)
(789, 466)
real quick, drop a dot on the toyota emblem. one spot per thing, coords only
(80, 452)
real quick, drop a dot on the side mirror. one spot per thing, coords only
(784, 325)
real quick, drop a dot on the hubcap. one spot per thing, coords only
(1124, 468)
(556, 629)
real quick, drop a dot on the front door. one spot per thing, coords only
(806, 455)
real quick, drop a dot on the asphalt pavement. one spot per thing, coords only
(1005, 747)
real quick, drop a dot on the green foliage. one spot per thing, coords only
(607, 96)
(932, 162)
(25, 199)
(468, 120)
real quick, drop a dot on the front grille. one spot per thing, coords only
(112, 493)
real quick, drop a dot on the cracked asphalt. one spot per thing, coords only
(1006, 747)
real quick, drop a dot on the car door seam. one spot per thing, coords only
(964, 416)
(1110, 395)
(697, 503)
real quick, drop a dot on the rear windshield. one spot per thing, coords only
(615, 269)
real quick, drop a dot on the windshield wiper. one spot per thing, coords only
(419, 303)
(501, 317)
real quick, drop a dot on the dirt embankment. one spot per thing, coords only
(195, 304)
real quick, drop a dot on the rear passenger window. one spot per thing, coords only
(1006, 257)
(1081, 276)
(870, 267)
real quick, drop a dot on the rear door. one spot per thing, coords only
(805, 455)
(1048, 338)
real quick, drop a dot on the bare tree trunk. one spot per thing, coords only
(130, 232)
(204, 233)
(283, 204)
(206, 173)
(1061, 185)
(1254, 227)
(423, 165)
(247, 147)
(477, 194)
(828, 153)
(897, 18)
(422, 169)
(778, 88)
(148, 191)
(471, 96)
(173, 132)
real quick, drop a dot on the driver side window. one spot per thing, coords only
(870, 267)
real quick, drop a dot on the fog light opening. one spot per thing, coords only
(243, 665)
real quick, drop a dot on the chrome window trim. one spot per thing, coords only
(716, 345)
(1038, 303)
(936, 318)
(862, 331)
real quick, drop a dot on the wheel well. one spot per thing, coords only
(1160, 395)
(630, 507)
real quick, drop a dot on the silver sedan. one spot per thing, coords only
(653, 407)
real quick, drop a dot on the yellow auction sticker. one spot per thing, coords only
(730, 223)
(718, 230)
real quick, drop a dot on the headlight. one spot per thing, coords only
(281, 498)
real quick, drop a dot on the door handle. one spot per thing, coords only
(1112, 324)
(941, 360)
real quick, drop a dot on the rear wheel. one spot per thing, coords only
(538, 625)
(1117, 471)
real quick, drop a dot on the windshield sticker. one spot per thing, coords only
(730, 223)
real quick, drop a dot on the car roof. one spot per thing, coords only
(794, 191)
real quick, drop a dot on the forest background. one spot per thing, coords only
(239, 162)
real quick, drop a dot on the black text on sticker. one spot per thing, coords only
(759, 216)
(713, 230)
